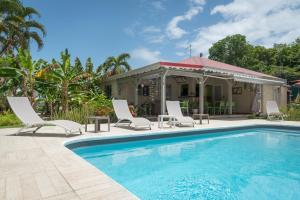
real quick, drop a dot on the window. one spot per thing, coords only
(146, 90)
(218, 93)
(143, 90)
(184, 90)
(107, 91)
(208, 93)
(197, 90)
(169, 91)
(276, 96)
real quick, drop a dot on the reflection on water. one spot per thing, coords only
(120, 157)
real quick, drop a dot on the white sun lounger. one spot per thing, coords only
(24, 111)
(123, 114)
(273, 110)
(173, 108)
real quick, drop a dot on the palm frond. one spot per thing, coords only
(34, 24)
(36, 37)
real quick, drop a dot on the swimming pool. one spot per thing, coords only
(248, 163)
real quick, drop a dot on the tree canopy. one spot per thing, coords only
(281, 60)
(18, 27)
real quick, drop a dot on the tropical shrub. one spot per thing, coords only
(292, 113)
(100, 104)
(75, 114)
(8, 119)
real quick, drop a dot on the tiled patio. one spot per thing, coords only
(40, 167)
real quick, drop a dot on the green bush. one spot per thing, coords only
(293, 113)
(75, 114)
(8, 119)
(100, 105)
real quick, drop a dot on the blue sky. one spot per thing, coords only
(160, 29)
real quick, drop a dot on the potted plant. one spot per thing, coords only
(194, 106)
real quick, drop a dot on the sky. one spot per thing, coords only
(159, 30)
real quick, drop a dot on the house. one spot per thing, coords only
(206, 84)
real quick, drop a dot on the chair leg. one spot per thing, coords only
(20, 130)
(37, 129)
(117, 123)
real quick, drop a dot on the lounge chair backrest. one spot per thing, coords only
(174, 109)
(121, 109)
(24, 111)
(272, 107)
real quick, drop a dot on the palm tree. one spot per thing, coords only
(65, 76)
(17, 27)
(115, 65)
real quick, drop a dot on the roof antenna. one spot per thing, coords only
(190, 49)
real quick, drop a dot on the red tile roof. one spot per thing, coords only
(173, 64)
(205, 62)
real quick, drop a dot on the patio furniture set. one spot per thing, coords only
(24, 111)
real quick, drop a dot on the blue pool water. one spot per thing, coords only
(259, 163)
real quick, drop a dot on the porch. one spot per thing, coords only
(198, 91)
(201, 84)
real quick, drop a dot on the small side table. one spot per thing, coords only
(97, 120)
(201, 116)
(160, 120)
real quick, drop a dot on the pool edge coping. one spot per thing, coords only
(165, 134)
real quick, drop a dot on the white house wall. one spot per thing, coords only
(126, 89)
(268, 95)
(243, 101)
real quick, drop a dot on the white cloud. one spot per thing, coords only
(151, 29)
(173, 30)
(156, 39)
(263, 23)
(145, 55)
(153, 34)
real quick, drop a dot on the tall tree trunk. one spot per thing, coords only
(24, 87)
(31, 91)
(51, 109)
(6, 47)
(64, 96)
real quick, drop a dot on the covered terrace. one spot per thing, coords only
(204, 83)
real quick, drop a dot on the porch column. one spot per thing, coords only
(163, 92)
(201, 96)
(136, 95)
(230, 96)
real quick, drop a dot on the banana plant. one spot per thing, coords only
(65, 76)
